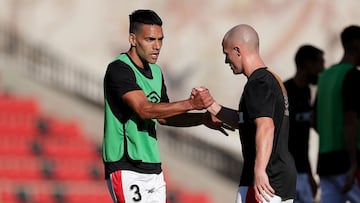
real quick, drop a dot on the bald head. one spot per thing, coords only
(244, 36)
(241, 49)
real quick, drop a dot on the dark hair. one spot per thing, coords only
(306, 53)
(349, 35)
(139, 17)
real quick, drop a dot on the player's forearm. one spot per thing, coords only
(164, 110)
(184, 120)
(263, 152)
(226, 115)
(264, 142)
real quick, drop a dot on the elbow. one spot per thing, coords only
(162, 121)
(145, 116)
(145, 112)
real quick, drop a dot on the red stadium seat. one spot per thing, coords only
(48, 160)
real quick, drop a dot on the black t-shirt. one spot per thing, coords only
(263, 97)
(300, 121)
(351, 91)
(351, 97)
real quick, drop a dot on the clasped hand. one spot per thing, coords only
(200, 98)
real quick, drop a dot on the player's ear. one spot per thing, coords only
(132, 39)
(237, 51)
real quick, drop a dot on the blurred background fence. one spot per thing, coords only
(38, 63)
(48, 68)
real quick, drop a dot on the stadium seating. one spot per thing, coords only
(45, 159)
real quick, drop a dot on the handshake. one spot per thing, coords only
(200, 99)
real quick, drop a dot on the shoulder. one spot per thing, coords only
(119, 67)
(353, 73)
(118, 70)
(352, 77)
(257, 75)
(261, 77)
(259, 83)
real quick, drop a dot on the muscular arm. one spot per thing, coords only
(137, 101)
(265, 130)
(184, 120)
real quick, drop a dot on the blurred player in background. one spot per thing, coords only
(309, 62)
(338, 123)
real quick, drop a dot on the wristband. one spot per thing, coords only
(214, 108)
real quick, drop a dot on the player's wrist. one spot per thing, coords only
(190, 105)
(214, 108)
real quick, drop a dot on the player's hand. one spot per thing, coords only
(212, 122)
(200, 98)
(262, 187)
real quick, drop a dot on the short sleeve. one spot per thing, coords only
(120, 79)
(260, 100)
(350, 90)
